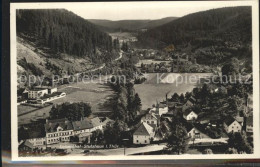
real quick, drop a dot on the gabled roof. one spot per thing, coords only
(187, 112)
(26, 143)
(229, 120)
(82, 124)
(192, 99)
(96, 122)
(144, 129)
(161, 105)
(52, 125)
(188, 127)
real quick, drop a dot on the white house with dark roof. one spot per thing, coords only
(59, 130)
(231, 125)
(162, 108)
(194, 133)
(144, 134)
(151, 119)
(190, 115)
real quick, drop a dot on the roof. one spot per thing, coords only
(188, 127)
(229, 120)
(106, 120)
(161, 105)
(52, 125)
(249, 121)
(151, 114)
(27, 143)
(96, 122)
(82, 124)
(188, 111)
(38, 89)
(144, 129)
(36, 132)
(240, 119)
(192, 99)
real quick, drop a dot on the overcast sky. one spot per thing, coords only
(143, 10)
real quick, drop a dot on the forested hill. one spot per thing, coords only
(129, 25)
(223, 27)
(62, 31)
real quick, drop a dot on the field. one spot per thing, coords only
(157, 85)
(93, 93)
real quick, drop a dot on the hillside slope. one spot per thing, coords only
(58, 32)
(129, 25)
(31, 60)
(212, 36)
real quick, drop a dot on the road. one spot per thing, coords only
(131, 151)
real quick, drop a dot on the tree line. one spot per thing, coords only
(63, 32)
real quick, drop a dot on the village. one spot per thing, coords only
(152, 129)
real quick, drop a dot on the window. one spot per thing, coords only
(136, 141)
(152, 122)
(145, 141)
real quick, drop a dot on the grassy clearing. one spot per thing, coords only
(94, 93)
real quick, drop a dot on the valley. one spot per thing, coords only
(141, 85)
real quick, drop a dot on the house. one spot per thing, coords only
(189, 103)
(231, 125)
(162, 108)
(37, 137)
(25, 146)
(190, 115)
(194, 133)
(249, 124)
(82, 126)
(36, 93)
(84, 136)
(144, 134)
(51, 90)
(151, 119)
(97, 124)
(59, 130)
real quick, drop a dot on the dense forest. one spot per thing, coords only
(64, 32)
(222, 33)
(129, 25)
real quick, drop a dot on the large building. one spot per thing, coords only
(59, 130)
(37, 93)
(144, 134)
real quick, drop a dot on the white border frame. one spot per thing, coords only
(14, 121)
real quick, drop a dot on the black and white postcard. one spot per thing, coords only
(135, 80)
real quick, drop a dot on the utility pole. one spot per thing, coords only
(124, 140)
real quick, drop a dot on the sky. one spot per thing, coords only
(143, 10)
